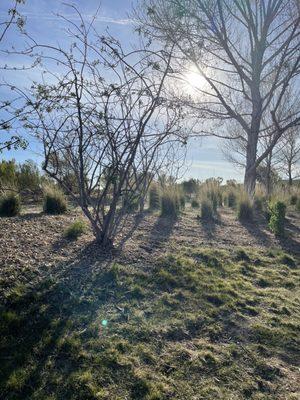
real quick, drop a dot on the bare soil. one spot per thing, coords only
(32, 245)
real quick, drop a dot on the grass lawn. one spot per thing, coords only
(201, 323)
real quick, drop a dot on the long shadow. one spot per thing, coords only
(134, 225)
(255, 228)
(209, 226)
(288, 243)
(159, 233)
(30, 216)
(292, 227)
(32, 323)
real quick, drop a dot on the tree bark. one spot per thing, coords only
(290, 175)
(250, 171)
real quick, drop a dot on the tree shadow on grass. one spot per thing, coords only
(256, 229)
(209, 225)
(32, 323)
(138, 217)
(287, 243)
(159, 233)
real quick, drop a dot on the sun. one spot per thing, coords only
(194, 81)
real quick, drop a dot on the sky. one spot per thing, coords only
(204, 157)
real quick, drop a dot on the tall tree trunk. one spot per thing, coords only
(290, 175)
(250, 171)
(269, 183)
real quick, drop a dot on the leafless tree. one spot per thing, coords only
(13, 18)
(248, 54)
(289, 155)
(102, 111)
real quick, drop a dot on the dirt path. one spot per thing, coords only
(32, 245)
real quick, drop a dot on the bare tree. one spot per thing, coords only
(14, 18)
(289, 155)
(247, 53)
(105, 114)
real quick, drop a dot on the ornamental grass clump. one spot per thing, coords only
(244, 208)
(75, 230)
(10, 205)
(154, 198)
(170, 203)
(54, 201)
(207, 210)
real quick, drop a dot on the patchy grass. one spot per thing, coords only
(200, 324)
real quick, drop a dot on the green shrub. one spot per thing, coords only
(75, 230)
(277, 211)
(154, 198)
(28, 176)
(245, 210)
(170, 205)
(195, 203)
(207, 210)
(10, 205)
(54, 201)
(231, 199)
(293, 199)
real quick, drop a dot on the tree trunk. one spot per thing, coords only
(269, 183)
(250, 172)
(250, 180)
(103, 239)
(290, 175)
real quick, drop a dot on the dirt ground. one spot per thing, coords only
(32, 245)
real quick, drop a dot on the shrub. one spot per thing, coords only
(293, 199)
(207, 211)
(245, 210)
(10, 205)
(298, 205)
(154, 198)
(54, 201)
(277, 217)
(28, 176)
(75, 230)
(231, 199)
(195, 203)
(170, 204)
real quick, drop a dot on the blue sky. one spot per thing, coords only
(204, 157)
